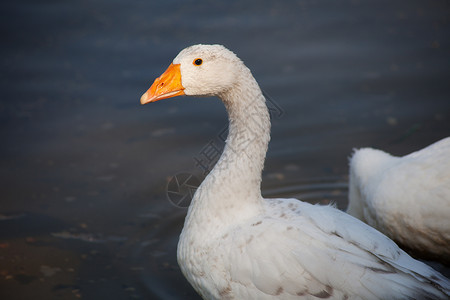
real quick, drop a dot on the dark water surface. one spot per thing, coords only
(87, 207)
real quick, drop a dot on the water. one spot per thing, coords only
(85, 211)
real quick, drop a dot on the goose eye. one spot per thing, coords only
(198, 62)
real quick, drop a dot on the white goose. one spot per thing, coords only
(237, 245)
(407, 198)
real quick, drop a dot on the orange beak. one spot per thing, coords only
(165, 86)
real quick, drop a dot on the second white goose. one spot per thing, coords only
(407, 198)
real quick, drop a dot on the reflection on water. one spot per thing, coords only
(85, 210)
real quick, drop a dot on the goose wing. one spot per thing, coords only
(320, 252)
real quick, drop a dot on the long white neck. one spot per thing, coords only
(233, 188)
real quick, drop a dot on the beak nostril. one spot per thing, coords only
(165, 86)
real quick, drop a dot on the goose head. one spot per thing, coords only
(199, 70)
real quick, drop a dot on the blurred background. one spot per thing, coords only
(88, 205)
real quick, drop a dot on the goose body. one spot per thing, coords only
(407, 198)
(237, 245)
